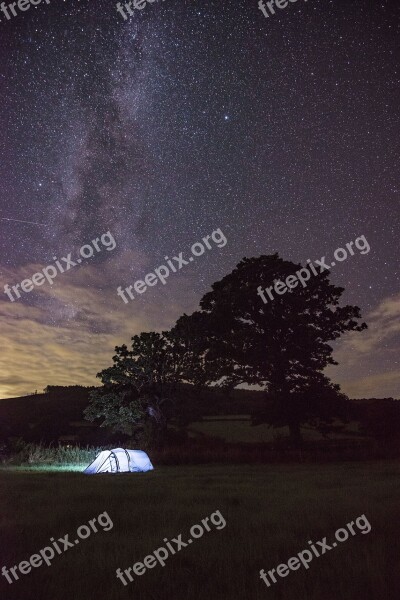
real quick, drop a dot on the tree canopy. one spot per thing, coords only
(282, 346)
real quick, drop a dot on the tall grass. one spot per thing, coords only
(38, 454)
(209, 450)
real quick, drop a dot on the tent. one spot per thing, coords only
(120, 460)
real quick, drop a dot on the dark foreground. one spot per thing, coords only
(271, 512)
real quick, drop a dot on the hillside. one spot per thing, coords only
(57, 415)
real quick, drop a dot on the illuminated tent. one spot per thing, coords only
(120, 460)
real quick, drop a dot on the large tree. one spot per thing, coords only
(282, 344)
(142, 391)
(199, 364)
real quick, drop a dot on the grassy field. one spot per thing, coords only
(238, 428)
(271, 512)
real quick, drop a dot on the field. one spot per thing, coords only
(271, 512)
(238, 428)
(51, 417)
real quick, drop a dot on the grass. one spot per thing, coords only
(38, 454)
(271, 512)
(204, 450)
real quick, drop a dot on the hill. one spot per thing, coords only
(57, 416)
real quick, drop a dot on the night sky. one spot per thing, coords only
(194, 115)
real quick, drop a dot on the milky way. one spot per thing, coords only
(194, 115)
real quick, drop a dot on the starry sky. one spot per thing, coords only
(194, 115)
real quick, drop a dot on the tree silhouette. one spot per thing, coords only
(140, 391)
(281, 345)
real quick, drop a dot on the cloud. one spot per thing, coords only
(66, 333)
(366, 359)
(381, 385)
(383, 324)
